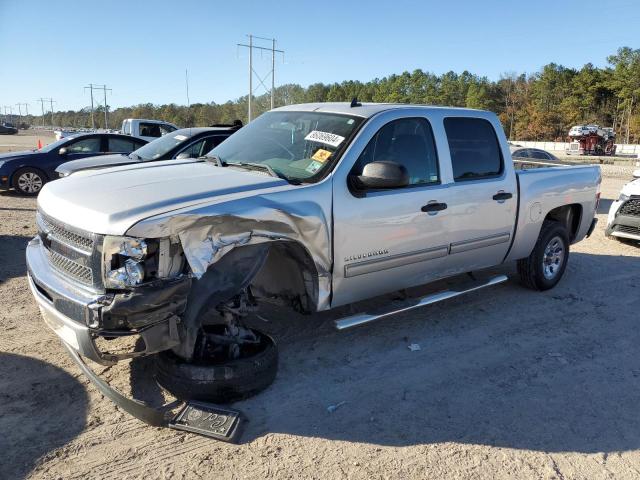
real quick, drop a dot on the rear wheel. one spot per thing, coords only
(29, 181)
(544, 268)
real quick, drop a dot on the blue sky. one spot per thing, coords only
(141, 49)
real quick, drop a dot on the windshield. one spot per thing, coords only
(296, 145)
(159, 147)
(57, 144)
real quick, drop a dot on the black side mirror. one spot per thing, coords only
(62, 151)
(383, 175)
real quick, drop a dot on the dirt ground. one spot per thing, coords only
(508, 383)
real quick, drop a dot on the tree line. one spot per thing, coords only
(537, 106)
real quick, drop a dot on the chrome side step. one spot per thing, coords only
(360, 318)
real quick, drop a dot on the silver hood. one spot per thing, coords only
(110, 201)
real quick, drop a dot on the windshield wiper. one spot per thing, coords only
(216, 159)
(261, 166)
(134, 156)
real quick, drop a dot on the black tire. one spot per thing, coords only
(532, 269)
(29, 181)
(222, 382)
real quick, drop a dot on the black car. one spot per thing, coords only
(183, 143)
(28, 171)
(7, 129)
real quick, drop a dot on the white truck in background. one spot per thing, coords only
(146, 129)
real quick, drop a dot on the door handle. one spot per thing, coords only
(502, 196)
(433, 207)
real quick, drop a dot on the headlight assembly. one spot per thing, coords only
(623, 197)
(129, 261)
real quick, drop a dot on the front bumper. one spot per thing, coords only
(624, 226)
(73, 312)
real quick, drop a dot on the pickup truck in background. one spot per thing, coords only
(312, 207)
(146, 129)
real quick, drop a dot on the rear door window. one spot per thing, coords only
(121, 145)
(474, 147)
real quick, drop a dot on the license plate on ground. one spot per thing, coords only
(209, 420)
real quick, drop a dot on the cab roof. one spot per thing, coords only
(364, 110)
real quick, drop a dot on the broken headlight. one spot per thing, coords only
(129, 261)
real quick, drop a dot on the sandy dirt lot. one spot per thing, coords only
(508, 383)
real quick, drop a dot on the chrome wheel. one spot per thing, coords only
(554, 255)
(30, 182)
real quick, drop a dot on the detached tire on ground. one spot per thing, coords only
(544, 268)
(220, 382)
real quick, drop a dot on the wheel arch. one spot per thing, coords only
(568, 215)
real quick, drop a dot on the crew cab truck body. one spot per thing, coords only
(314, 206)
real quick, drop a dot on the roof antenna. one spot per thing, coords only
(355, 102)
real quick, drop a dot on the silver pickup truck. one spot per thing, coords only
(310, 206)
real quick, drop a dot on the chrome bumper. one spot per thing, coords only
(59, 301)
(74, 313)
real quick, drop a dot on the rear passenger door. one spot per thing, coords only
(483, 202)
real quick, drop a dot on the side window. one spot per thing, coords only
(475, 152)
(407, 141)
(87, 145)
(194, 150)
(150, 130)
(212, 142)
(522, 153)
(164, 129)
(137, 143)
(121, 145)
(539, 155)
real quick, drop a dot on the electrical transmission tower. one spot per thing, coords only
(51, 102)
(104, 88)
(252, 72)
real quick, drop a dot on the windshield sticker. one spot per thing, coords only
(180, 137)
(321, 155)
(314, 166)
(325, 137)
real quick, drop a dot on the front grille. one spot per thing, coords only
(72, 253)
(67, 267)
(630, 207)
(627, 229)
(83, 242)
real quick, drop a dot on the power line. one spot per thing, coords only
(252, 72)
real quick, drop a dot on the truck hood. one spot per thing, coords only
(110, 201)
(100, 161)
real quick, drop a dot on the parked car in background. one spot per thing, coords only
(8, 129)
(180, 144)
(520, 153)
(28, 171)
(624, 214)
(146, 129)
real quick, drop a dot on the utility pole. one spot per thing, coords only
(93, 122)
(51, 102)
(26, 105)
(42, 100)
(106, 107)
(252, 72)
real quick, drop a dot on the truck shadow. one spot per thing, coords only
(12, 256)
(508, 367)
(42, 407)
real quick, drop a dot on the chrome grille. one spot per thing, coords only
(72, 253)
(627, 229)
(82, 242)
(67, 267)
(630, 207)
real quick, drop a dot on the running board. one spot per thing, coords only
(360, 318)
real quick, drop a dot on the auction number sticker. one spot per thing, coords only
(324, 137)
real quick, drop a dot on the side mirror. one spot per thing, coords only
(63, 151)
(383, 175)
(636, 173)
(183, 155)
